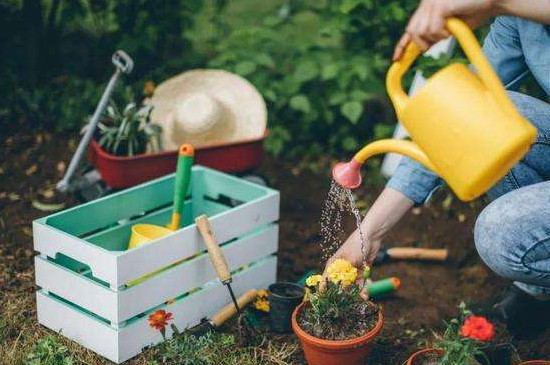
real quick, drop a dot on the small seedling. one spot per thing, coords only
(49, 351)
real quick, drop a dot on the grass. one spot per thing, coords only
(222, 349)
(24, 342)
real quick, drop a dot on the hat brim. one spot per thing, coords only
(243, 117)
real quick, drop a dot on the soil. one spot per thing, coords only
(358, 320)
(287, 292)
(33, 161)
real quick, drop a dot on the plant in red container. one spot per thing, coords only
(461, 342)
(128, 131)
(335, 324)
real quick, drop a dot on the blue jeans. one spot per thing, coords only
(512, 234)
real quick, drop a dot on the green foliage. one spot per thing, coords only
(320, 65)
(334, 303)
(220, 349)
(63, 103)
(59, 52)
(430, 65)
(128, 131)
(49, 351)
(458, 349)
(324, 88)
(336, 310)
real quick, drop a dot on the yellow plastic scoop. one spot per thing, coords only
(145, 233)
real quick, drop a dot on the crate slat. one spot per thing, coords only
(105, 211)
(50, 241)
(186, 242)
(128, 341)
(123, 305)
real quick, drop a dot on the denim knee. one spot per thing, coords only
(495, 239)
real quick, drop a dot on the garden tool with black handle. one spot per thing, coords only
(246, 331)
(123, 64)
(411, 253)
(223, 315)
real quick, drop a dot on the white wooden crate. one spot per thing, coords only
(83, 265)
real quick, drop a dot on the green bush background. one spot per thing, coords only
(319, 64)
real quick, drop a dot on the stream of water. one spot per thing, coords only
(338, 201)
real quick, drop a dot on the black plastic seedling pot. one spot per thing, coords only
(283, 298)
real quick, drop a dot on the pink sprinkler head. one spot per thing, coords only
(346, 174)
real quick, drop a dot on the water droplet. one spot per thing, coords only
(338, 201)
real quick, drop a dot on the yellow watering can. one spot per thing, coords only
(463, 126)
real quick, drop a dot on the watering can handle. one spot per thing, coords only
(471, 48)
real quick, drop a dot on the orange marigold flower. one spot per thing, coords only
(159, 319)
(478, 328)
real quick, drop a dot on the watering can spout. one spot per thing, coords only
(348, 175)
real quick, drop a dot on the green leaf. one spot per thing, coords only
(270, 95)
(348, 5)
(265, 60)
(383, 131)
(352, 110)
(245, 68)
(329, 71)
(349, 143)
(359, 95)
(306, 71)
(300, 103)
(336, 98)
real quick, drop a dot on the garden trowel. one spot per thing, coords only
(246, 330)
(411, 253)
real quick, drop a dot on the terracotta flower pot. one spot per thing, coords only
(327, 352)
(536, 362)
(417, 356)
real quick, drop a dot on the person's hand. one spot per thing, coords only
(427, 25)
(351, 251)
(386, 211)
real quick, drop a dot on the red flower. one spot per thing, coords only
(159, 319)
(478, 328)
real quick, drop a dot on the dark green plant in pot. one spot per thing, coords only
(129, 132)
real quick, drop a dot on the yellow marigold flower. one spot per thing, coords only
(148, 88)
(261, 302)
(314, 280)
(342, 271)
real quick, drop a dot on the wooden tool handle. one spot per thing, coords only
(411, 253)
(214, 251)
(229, 310)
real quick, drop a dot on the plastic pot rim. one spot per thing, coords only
(285, 297)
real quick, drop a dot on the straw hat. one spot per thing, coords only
(205, 107)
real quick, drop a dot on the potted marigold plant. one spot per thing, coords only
(461, 342)
(335, 324)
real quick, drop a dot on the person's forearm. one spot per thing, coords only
(384, 214)
(536, 10)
